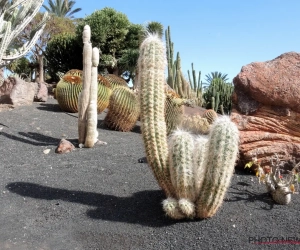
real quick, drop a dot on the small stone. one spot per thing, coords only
(64, 146)
(47, 151)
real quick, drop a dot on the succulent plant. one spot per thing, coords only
(115, 81)
(195, 124)
(69, 87)
(123, 110)
(210, 115)
(174, 111)
(194, 171)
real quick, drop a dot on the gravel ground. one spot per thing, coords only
(103, 198)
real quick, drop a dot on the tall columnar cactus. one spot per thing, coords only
(196, 86)
(175, 77)
(92, 119)
(193, 170)
(151, 78)
(123, 110)
(87, 99)
(14, 17)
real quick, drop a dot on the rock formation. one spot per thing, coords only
(267, 109)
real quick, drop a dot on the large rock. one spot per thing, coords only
(23, 93)
(18, 92)
(41, 94)
(267, 109)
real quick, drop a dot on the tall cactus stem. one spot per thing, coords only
(181, 147)
(92, 119)
(151, 67)
(220, 161)
(83, 99)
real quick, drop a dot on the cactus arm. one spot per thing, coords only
(181, 146)
(91, 130)
(83, 99)
(219, 164)
(151, 66)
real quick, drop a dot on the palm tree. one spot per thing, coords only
(215, 75)
(61, 8)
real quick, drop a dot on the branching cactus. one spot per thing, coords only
(14, 17)
(193, 170)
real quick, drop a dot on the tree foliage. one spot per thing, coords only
(215, 75)
(62, 8)
(64, 52)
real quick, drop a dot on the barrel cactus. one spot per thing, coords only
(115, 80)
(194, 171)
(123, 109)
(69, 87)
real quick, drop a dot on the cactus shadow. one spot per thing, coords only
(135, 129)
(251, 198)
(141, 208)
(32, 138)
(51, 107)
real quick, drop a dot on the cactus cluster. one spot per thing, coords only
(194, 171)
(218, 96)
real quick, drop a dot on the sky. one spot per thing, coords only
(216, 35)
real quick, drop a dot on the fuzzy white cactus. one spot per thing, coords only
(14, 17)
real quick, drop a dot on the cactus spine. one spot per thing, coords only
(197, 170)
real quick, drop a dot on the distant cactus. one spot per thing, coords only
(210, 115)
(173, 112)
(123, 109)
(69, 87)
(194, 171)
(195, 124)
(218, 96)
(115, 81)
